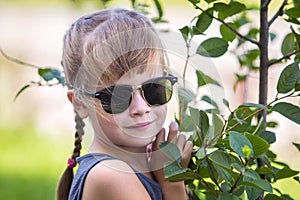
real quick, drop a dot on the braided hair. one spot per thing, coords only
(65, 182)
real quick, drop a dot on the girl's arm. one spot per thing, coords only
(113, 180)
(171, 190)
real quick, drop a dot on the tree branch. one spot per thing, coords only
(283, 57)
(228, 26)
(18, 61)
(279, 12)
(266, 4)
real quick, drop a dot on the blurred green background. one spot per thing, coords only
(36, 130)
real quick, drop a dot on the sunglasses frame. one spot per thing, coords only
(97, 94)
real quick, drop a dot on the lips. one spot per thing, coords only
(139, 125)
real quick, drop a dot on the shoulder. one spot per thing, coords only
(114, 180)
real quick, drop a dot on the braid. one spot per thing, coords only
(66, 179)
(78, 137)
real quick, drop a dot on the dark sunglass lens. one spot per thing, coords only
(118, 99)
(158, 92)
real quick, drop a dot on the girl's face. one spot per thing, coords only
(136, 127)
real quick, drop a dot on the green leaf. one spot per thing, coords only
(194, 2)
(288, 78)
(21, 90)
(272, 124)
(288, 44)
(204, 79)
(171, 151)
(227, 196)
(265, 170)
(226, 33)
(186, 94)
(285, 172)
(158, 8)
(186, 124)
(297, 178)
(272, 36)
(49, 74)
(259, 184)
(172, 169)
(200, 121)
(203, 22)
(296, 3)
(290, 111)
(209, 100)
(293, 12)
(273, 197)
(217, 124)
(221, 159)
(254, 105)
(239, 115)
(46, 74)
(227, 10)
(185, 32)
(195, 117)
(293, 20)
(210, 1)
(251, 175)
(183, 175)
(297, 145)
(260, 146)
(297, 86)
(200, 153)
(269, 136)
(297, 36)
(212, 47)
(226, 103)
(228, 175)
(238, 142)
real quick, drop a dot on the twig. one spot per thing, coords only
(279, 12)
(283, 57)
(17, 60)
(228, 26)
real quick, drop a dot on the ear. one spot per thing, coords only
(77, 104)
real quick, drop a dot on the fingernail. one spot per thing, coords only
(173, 126)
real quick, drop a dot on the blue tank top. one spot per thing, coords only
(88, 161)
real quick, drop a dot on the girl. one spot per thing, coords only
(117, 76)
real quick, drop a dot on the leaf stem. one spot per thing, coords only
(228, 26)
(18, 61)
(283, 57)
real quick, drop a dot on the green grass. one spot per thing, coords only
(31, 163)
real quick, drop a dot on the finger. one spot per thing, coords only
(186, 154)
(173, 130)
(181, 140)
(160, 137)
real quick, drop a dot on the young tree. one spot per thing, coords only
(232, 158)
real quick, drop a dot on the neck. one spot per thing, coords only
(134, 156)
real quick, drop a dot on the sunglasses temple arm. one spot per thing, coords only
(89, 94)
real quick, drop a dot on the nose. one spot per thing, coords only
(138, 105)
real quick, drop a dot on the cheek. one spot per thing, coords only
(160, 112)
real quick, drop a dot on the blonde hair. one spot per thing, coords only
(98, 49)
(101, 47)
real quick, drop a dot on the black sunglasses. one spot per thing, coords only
(117, 98)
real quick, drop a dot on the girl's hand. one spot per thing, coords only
(171, 190)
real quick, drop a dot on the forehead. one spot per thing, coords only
(137, 76)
